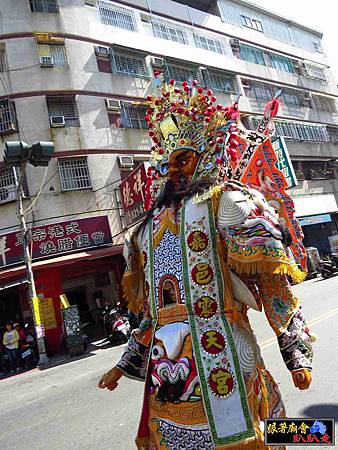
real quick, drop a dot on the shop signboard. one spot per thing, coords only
(284, 163)
(47, 313)
(56, 239)
(71, 322)
(132, 191)
(314, 220)
(44, 312)
(334, 243)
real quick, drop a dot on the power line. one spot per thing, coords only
(31, 206)
(64, 215)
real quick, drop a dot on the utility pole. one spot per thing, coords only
(16, 155)
(43, 358)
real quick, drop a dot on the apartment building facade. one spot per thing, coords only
(77, 72)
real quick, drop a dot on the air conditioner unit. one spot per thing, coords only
(102, 52)
(234, 43)
(126, 161)
(145, 18)
(46, 61)
(154, 61)
(113, 105)
(57, 121)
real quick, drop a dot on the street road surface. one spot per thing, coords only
(60, 408)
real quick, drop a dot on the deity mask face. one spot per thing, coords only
(182, 165)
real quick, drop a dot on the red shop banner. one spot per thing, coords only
(56, 239)
(132, 191)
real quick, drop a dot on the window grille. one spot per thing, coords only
(291, 99)
(44, 6)
(7, 185)
(74, 174)
(57, 52)
(333, 134)
(281, 63)
(133, 116)
(8, 122)
(264, 92)
(318, 170)
(130, 63)
(222, 82)
(302, 132)
(252, 23)
(208, 43)
(64, 106)
(181, 73)
(3, 65)
(251, 54)
(298, 131)
(316, 72)
(169, 31)
(117, 16)
(324, 104)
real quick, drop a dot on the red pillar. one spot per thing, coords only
(48, 284)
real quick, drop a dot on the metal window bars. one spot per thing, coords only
(8, 122)
(74, 174)
(222, 82)
(117, 16)
(56, 52)
(64, 106)
(251, 54)
(282, 63)
(170, 31)
(133, 116)
(44, 6)
(207, 43)
(297, 131)
(262, 92)
(313, 71)
(180, 73)
(324, 104)
(8, 190)
(3, 65)
(129, 63)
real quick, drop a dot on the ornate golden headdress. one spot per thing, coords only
(187, 117)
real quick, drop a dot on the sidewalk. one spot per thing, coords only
(63, 357)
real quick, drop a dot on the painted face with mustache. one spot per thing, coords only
(181, 167)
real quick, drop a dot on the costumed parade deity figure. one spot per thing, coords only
(208, 250)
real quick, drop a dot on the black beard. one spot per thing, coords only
(173, 193)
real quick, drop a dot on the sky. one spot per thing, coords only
(320, 15)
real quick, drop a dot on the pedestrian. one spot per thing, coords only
(2, 360)
(11, 343)
(22, 341)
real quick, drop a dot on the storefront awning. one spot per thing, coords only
(62, 261)
(315, 204)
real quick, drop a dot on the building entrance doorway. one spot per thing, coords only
(77, 296)
(10, 310)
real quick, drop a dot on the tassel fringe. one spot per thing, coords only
(270, 267)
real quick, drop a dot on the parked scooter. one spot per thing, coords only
(29, 349)
(329, 265)
(116, 326)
